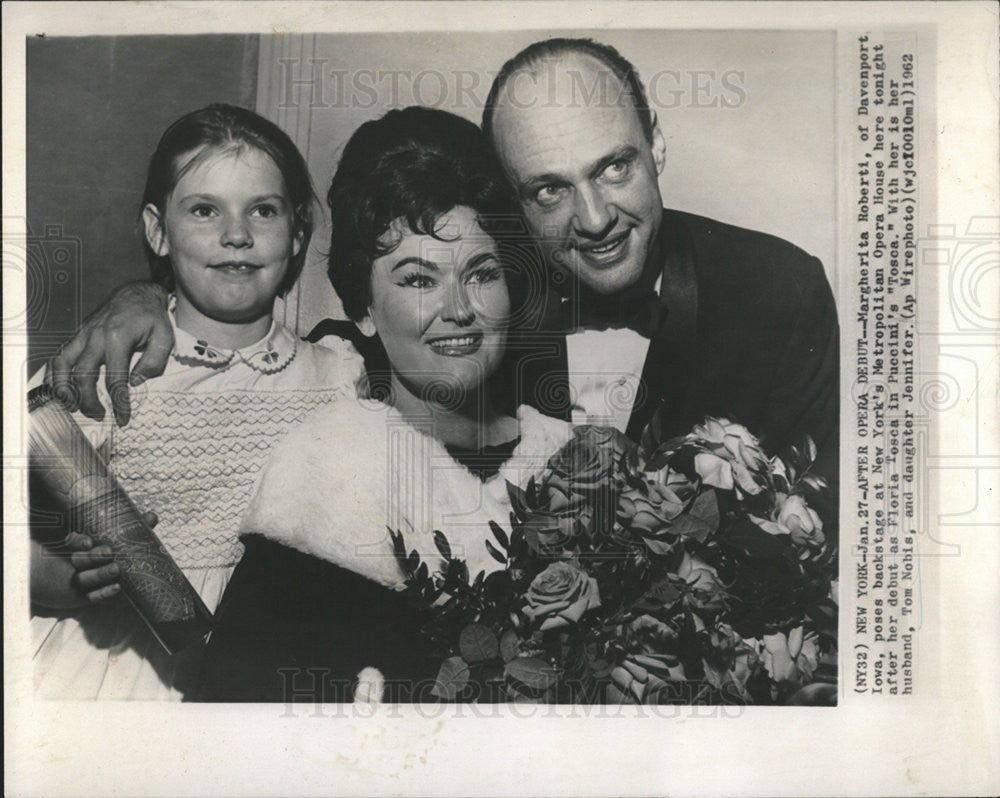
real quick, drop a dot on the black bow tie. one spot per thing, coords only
(645, 313)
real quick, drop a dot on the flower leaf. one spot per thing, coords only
(661, 548)
(518, 500)
(398, 548)
(442, 544)
(701, 520)
(496, 555)
(500, 535)
(477, 643)
(815, 482)
(452, 678)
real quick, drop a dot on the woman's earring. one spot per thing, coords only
(367, 326)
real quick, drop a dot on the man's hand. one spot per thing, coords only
(133, 319)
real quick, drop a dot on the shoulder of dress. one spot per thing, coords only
(331, 347)
(317, 365)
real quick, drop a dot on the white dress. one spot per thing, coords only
(198, 437)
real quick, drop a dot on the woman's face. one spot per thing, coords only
(440, 306)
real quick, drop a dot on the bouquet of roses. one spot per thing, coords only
(688, 570)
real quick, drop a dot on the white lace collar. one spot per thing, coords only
(269, 355)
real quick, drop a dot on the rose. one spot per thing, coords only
(560, 595)
(703, 589)
(790, 657)
(588, 461)
(714, 471)
(743, 447)
(647, 508)
(801, 521)
(556, 495)
(793, 517)
(732, 455)
(582, 481)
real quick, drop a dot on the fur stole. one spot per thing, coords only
(355, 469)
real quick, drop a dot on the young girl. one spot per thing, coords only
(227, 219)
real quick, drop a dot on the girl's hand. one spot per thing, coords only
(55, 582)
(96, 573)
(78, 575)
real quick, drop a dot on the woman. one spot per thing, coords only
(421, 255)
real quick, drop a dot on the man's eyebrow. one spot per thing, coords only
(422, 262)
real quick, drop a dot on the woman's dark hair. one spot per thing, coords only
(415, 164)
(228, 127)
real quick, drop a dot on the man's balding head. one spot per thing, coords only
(537, 57)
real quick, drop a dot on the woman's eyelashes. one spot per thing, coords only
(480, 275)
(416, 279)
(486, 273)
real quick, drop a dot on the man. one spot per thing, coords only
(667, 309)
(661, 308)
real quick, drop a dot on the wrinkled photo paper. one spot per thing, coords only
(863, 134)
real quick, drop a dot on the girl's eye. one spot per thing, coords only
(202, 211)
(417, 280)
(266, 211)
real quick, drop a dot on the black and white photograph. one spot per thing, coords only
(379, 371)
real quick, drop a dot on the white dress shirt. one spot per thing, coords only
(605, 371)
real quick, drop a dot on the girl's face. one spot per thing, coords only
(228, 230)
(440, 307)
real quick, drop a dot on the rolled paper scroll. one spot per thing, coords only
(95, 505)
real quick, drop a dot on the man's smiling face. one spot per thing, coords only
(583, 168)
